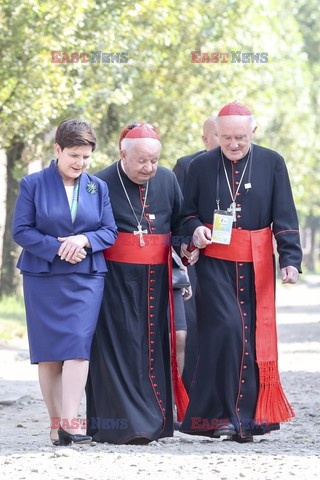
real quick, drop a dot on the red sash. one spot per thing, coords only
(256, 246)
(157, 250)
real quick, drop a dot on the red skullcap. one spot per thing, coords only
(143, 130)
(234, 108)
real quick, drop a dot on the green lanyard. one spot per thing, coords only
(74, 205)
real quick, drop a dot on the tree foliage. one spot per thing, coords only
(159, 83)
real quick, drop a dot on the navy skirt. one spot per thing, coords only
(62, 313)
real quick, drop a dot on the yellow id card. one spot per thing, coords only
(222, 227)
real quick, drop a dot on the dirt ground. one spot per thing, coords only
(293, 452)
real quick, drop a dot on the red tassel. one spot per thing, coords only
(180, 394)
(272, 405)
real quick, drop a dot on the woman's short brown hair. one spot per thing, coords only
(74, 133)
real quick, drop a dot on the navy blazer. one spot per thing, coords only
(42, 214)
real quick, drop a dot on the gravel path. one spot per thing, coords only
(25, 452)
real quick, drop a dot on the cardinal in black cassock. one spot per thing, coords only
(236, 390)
(129, 394)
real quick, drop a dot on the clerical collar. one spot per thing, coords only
(240, 159)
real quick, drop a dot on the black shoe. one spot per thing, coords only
(139, 441)
(227, 429)
(54, 441)
(177, 425)
(66, 438)
(237, 438)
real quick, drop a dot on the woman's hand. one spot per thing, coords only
(72, 248)
(78, 257)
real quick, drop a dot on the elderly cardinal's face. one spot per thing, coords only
(235, 134)
(139, 158)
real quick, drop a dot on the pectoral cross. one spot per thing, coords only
(234, 209)
(140, 232)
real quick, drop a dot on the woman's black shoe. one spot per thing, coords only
(66, 438)
(54, 441)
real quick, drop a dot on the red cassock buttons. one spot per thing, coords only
(242, 381)
(241, 289)
(246, 353)
(241, 277)
(241, 302)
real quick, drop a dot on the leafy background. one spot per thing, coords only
(159, 84)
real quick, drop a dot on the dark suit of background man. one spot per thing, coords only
(211, 141)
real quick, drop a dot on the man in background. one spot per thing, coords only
(189, 342)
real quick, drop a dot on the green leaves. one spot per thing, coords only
(159, 83)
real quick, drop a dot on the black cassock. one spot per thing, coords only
(129, 393)
(226, 382)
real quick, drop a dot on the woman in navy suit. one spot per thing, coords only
(63, 221)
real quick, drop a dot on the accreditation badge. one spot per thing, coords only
(222, 227)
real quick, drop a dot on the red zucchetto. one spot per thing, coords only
(138, 130)
(234, 108)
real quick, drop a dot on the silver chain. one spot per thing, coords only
(233, 198)
(129, 201)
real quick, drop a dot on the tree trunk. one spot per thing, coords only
(9, 282)
(310, 259)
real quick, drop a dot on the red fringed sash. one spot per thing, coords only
(256, 246)
(155, 252)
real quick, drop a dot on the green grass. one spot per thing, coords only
(12, 318)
